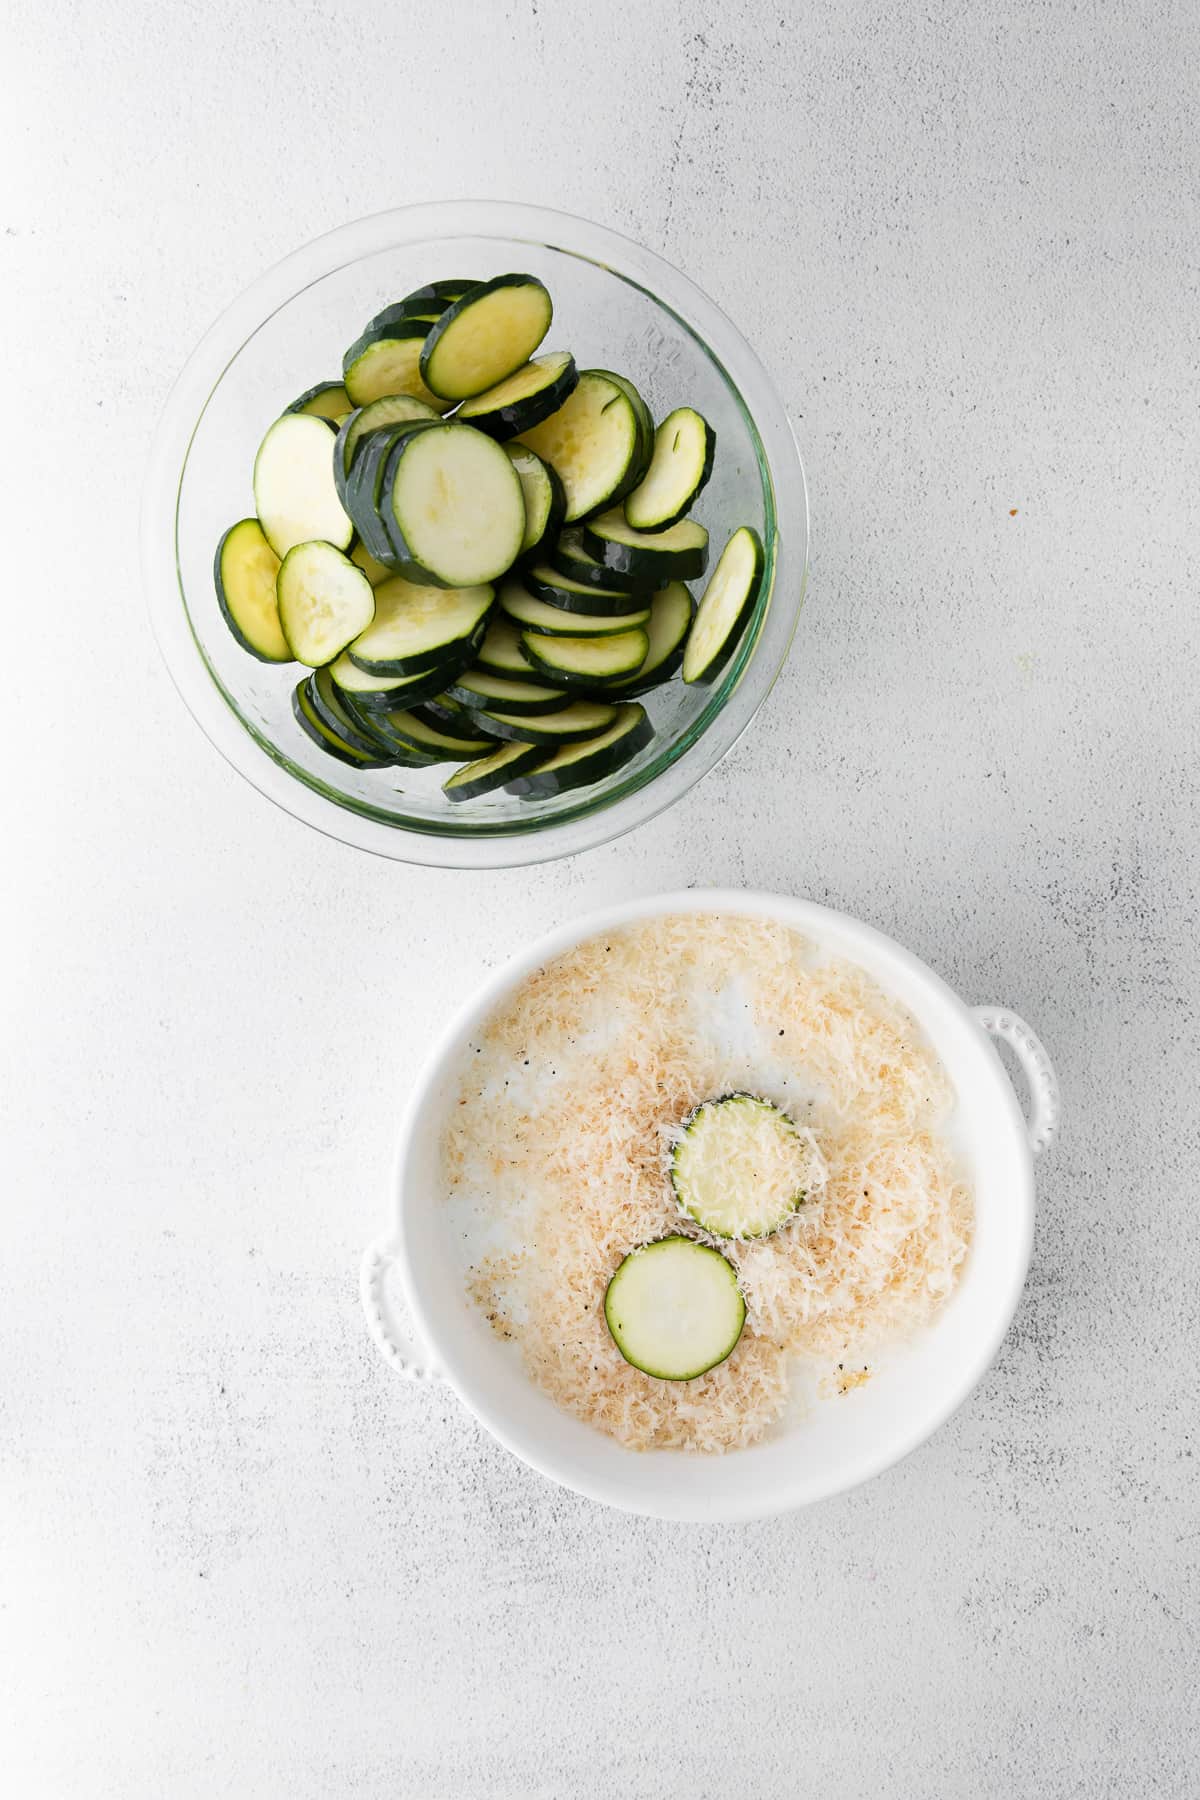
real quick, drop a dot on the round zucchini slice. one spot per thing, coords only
(245, 569)
(532, 614)
(547, 584)
(295, 495)
(740, 1167)
(386, 359)
(594, 443)
(674, 1309)
(680, 553)
(578, 765)
(545, 502)
(582, 719)
(671, 612)
(587, 662)
(725, 606)
(315, 728)
(485, 336)
(684, 446)
(524, 399)
(491, 772)
(418, 628)
(452, 505)
(324, 602)
(328, 400)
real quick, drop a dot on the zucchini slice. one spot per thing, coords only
(480, 691)
(365, 482)
(671, 614)
(524, 399)
(419, 628)
(644, 420)
(383, 693)
(684, 447)
(374, 571)
(295, 495)
(570, 595)
(545, 502)
(340, 716)
(739, 1167)
(328, 400)
(556, 621)
(324, 602)
(587, 662)
(408, 732)
(244, 570)
(680, 553)
(485, 336)
(570, 725)
(390, 409)
(386, 359)
(500, 652)
(453, 505)
(428, 302)
(593, 442)
(491, 772)
(674, 1308)
(577, 765)
(567, 556)
(725, 605)
(314, 727)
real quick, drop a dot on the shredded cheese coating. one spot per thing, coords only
(567, 1107)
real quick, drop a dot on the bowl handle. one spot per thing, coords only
(395, 1343)
(1003, 1022)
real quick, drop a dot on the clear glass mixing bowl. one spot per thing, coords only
(616, 306)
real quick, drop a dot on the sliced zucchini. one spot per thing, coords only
(532, 614)
(374, 571)
(568, 557)
(328, 400)
(340, 716)
(500, 651)
(331, 742)
(725, 606)
(244, 569)
(386, 359)
(671, 613)
(577, 765)
(570, 595)
(582, 719)
(684, 446)
(430, 741)
(481, 691)
(295, 496)
(593, 442)
(365, 483)
(674, 1309)
(447, 716)
(644, 420)
(427, 302)
(382, 693)
(545, 502)
(587, 662)
(324, 602)
(419, 628)
(485, 336)
(391, 409)
(491, 772)
(522, 400)
(452, 505)
(739, 1167)
(680, 553)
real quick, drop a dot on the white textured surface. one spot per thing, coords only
(237, 1557)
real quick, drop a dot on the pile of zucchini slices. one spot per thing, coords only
(739, 1169)
(481, 553)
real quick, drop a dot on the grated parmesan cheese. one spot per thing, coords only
(566, 1110)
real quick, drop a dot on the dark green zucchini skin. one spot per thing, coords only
(367, 486)
(474, 698)
(528, 728)
(504, 422)
(275, 662)
(323, 387)
(426, 662)
(326, 701)
(433, 299)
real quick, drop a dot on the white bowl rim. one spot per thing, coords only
(224, 338)
(830, 928)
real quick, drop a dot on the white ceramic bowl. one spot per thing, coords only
(839, 1442)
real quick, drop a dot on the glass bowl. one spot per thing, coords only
(616, 306)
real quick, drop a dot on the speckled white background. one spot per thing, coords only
(237, 1557)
